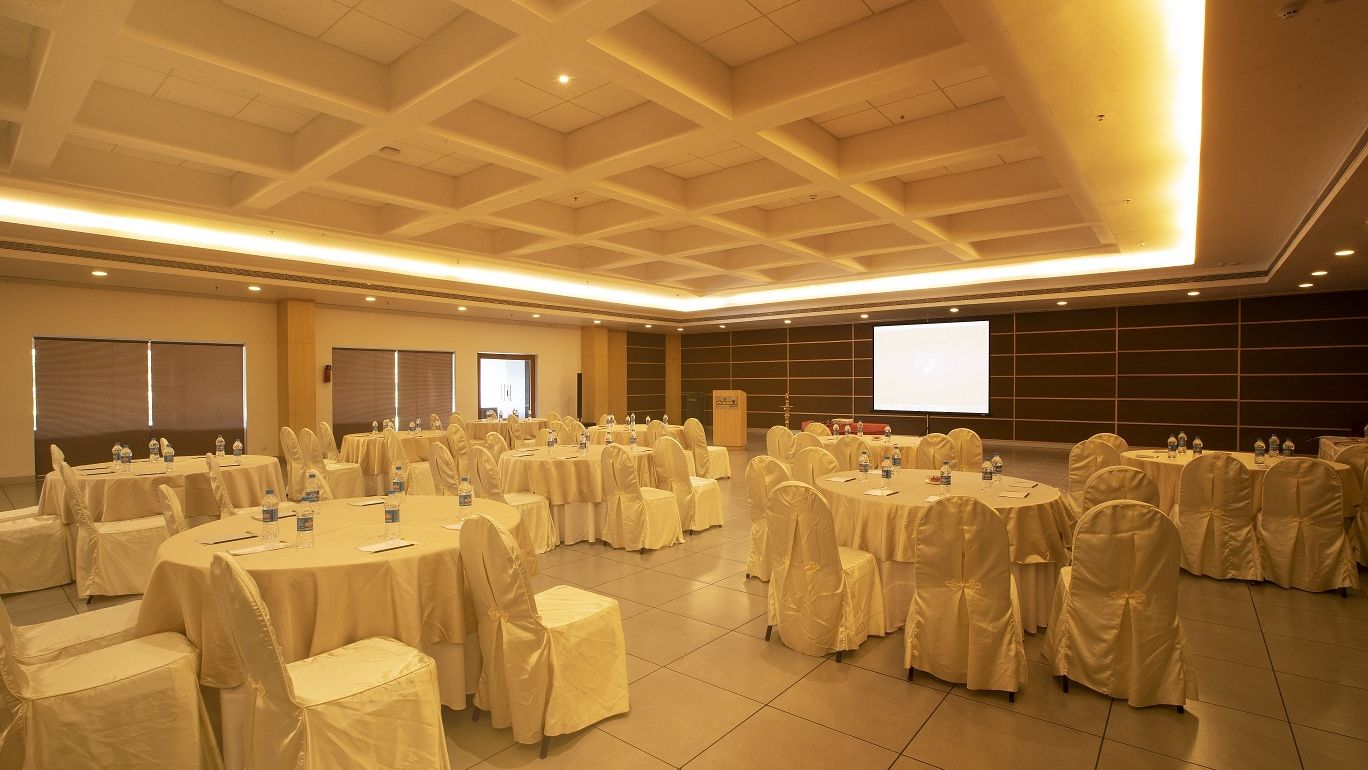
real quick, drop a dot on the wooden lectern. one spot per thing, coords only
(729, 418)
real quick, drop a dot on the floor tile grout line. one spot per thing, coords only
(1160, 753)
(1313, 641)
(1287, 717)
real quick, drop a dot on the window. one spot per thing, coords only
(90, 393)
(375, 385)
(507, 381)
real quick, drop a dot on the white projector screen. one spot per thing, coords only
(941, 367)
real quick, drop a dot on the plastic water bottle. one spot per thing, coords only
(1288, 448)
(885, 472)
(465, 497)
(126, 459)
(631, 420)
(631, 436)
(665, 418)
(608, 436)
(1197, 446)
(859, 428)
(945, 478)
(413, 428)
(308, 508)
(237, 447)
(888, 433)
(1260, 451)
(847, 429)
(397, 480)
(550, 439)
(583, 443)
(153, 450)
(1182, 442)
(987, 476)
(1274, 445)
(1365, 430)
(997, 467)
(897, 458)
(436, 422)
(270, 517)
(1172, 447)
(170, 457)
(864, 464)
(116, 456)
(219, 446)
(375, 426)
(392, 514)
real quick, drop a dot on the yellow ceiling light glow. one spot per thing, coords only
(1345, 253)
(98, 273)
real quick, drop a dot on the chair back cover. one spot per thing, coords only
(457, 419)
(1301, 527)
(515, 676)
(484, 474)
(397, 455)
(961, 625)
(313, 450)
(496, 444)
(253, 636)
(57, 456)
(846, 450)
(626, 520)
(171, 510)
(763, 474)
(936, 448)
(1120, 625)
(1112, 440)
(1215, 518)
(542, 434)
(1120, 482)
(804, 440)
(325, 435)
(219, 488)
(805, 568)
(295, 463)
(13, 678)
(565, 432)
(1085, 459)
(969, 448)
(697, 442)
(817, 428)
(457, 443)
(655, 429)
(672, 471)
(779, 444)
(554, 417)
(812, 464)
(76, 500)
(445, 474)
(164, 445)
(515, 429)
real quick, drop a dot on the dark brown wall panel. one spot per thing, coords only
(1066, 409)
(1162, 386)
(699, 355)
(1179, 338)
(1310, 387)
(1295, 334)
(1290, 363)
(759, 353)
(1065, 320)
(1177, 413)
(1064, 432)
(1103, 340)
(1066, 363)
(1065, 387)
(1179, 314)
(1176, 362)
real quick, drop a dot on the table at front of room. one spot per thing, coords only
(572, 484)
(598, 435)
(1330, 446)
(118, 496)
(1037, 527)
(476, 430)
(1167, 475)
(878, 446)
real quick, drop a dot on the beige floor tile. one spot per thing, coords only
(755, 628)
(876, 708)
(559, 555)
(718, 606)
(1238, 686)
(643, 559)
(1329, 751)
(627, 607)
(1035, 647)
(590, 547)
(699, 566)
(908, 763)
(543, 581)
(1229, 612)
(1041, 696)
(32, 600)
(740, 582)
(884, 655)
(101, 602)
(42, 614)
(586, 748)
(662, 637)
(1239, 645)
(751, 667)
(967, 734)
(773, 738)
(650, 587)
(1318, 627)
(703, 541)
(1330, 603)
(1119, 756)
(736, 550)
(1328, 662)
(675, 717)
(468, 742)
(22, 495)
(638, 667)
(591, 572)
(1206, 734)
(1209, 586)
(1325, 705)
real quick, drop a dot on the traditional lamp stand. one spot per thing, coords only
(788, 410)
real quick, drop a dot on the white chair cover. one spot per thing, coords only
(172, 513)
(1114, 622)
(164, 444)
(934, 449)
(57, 456)
(822, 597)
(1119, 482)
(655, 429)
(1356, 457)
(496, 445)
(372, 703)
(517, 437)
(458, 444)
(33, 552)
(312, 448)
(220, 490)
(817, 429)
(813, 464)
(542, 434)
(846, 450)
(296, 464)
(1215, 518)
(70, 636)
(534, 509)
(325, 435)
(963, 624)
(763, 474)
(457, 419)
(804, 440)
(417, 476)
(779, 444)
(446, 477)
(1085, 459)
(554, 663)
(1302, 542)
(1112, 440)
(112, 558)
(565, 432)
(553, 417)
(636, 517)
(968, 449)
(343, 479)
(699, 500)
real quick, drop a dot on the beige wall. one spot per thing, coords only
(45, 310)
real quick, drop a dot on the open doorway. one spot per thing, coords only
(507, 382)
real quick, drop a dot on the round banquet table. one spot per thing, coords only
(622, 434)
(1037, 527)
(573, 485)
(369, 450)
(478, 429)
(878, 447)
(1331, 446)
(121, 496)
(1167, 474)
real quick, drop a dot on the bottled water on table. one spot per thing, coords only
(1197, 446)
(270, 517)
(631, 420)
(550, 439)
(1288, 448)
(170, 457)
(631, 436)
(665, 418)
(412, 427)
(116, 455)
(392, 514)
(397, 480)
(859, 428)
(126, 459)
(896, 454)
(945, 478)
(1274, 445)
(308, 508)
(847, 429)
(465, 498)
(608, 436)
(885, 472)
(1172, 447)
(154, 450)
(1182, 442)
(436, 422)
(375, 426)
(888, 433)
(1260, 450)
(237, 447)
(583, 443)
(997, 467)
(864, 464)
(987, 476)
(219, 446)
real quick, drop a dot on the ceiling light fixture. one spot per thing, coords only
(1305, 285)
(1319, 273)
(787, 321)
(389, 152)
(253, 288)
(1345, 253)
(370, 299)
(721, 326)
(536, 315)
(1193, 293)
(563, 79)
(597, 321)
(679, 328)
(98, 273)
(864, 315)
(461, 308)
(954, 310)
(1062, 302)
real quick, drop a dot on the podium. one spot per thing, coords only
(729, 418)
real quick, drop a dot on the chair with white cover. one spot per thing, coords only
(164, 445)
(1302, 541)
(517, 435)
(968, 449)
(34, 550)
(804, 440)
(1112, 440)
(434, 422)
(963, 624)
(372, 703)
(113, 558)
(446, 477)
(655, 429)
(1119, 482)
(417, 476)
(220, 491)
(1114, 622)
(1356, 457)
(763, 475)
(173, 515)
(636, 517)
(1215, 518)
(935, 449)
(699, 500)
(1086, 458)
(817, 429)
(458, 444)
(296, 464)
(813, 464)
(496, 445)
(80, 692)
(710, 462)
(565, 432)
(554, 662)
(329, 441)
(846, 450)
(779, 444)
(344, 479)
(553, 417)
(822, 597)
(534, 509)
(457, 419)
(542, 435)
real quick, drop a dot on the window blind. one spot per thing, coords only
(197, 394)
(363, 389)
(90, 393)
(425, 386)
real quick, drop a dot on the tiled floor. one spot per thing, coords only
(1283, 677)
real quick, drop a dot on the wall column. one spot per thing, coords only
(603, 362)
(674, 400)
(296, 333)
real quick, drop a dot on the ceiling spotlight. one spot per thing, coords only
(98, 273)
(954, 310)
(370, 299)
(461, 308)
(253, 288)
(1305, 285)
(597, 321)
(787, 321)
(563, 79)
(864, 315)
(648, 326)
(1062, 303)
(1345, 253)
(1193, 293)
(721, 326)
(1319, 273)
(679, 328)
(536, 315)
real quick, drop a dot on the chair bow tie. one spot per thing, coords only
(963, 585)
(1129, 596)
(498, 615)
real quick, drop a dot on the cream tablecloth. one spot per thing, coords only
(1167, 474)
(369, 451)
(1331, 446)
(878, 447)
(562, 476)
(478, 429)
(122, 496)
(598, 434)
(1037, 527)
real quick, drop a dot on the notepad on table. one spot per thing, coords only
(1015, 495)
(931, 498)
(262, 548)
(455, 525)
(880, 492)
(1023, 484)
(839, 479)
(228, 538)
(388, 545)
(104, 472)
(362, 503)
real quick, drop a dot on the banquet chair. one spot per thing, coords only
(113, 558)
(1086, 458)
(554, 662)
(817, 429)
(1356, 457)
(343, 478)
(553, 417)
(813, 464)
(779, 444)
(417, 476)
(219, 488)
(655, 429)
(329, 442)
(458, 443)
(710, 462)
(822, 597)
(603, 419)
(496, 445)
(372, 703)
(542, 435)
(164, 445)
(936, 448)
(1302, 542)
(968, 449)
(963, 624)
(446, 477)
(517, 437)
(635, 517)
(846, 450)
(173, 516)
(566, 432)
(804, 440)
(1119, 482)
(81, 694)
(295, 462)
(763, 474)
(535, 509)
(34, 552)
(1114, 623)
(456, 419)
(699, 500)
(1112, 440)
(1215, 518)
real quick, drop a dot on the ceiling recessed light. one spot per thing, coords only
(1319, 273)
(787, 321)
(253, 288)
(679, 329)
(1193, 293)
(648, 326)
(370, 299)
(597, 321)
(563, 79)
(1305, 285)
(721, 326)
(1345, 253)
(1062, 303)
(461, 308)
(954, 310)
(864, 315)
(536, 315)
(98, 273)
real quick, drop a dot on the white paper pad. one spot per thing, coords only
(840, 479)
(388, 545)
(226, 538)
(96, 473)
(228, 462)
(157, 472)
(523, 453)
(1019, 484)
(881, 492)
(366, 502)
(456, 525)
(1015, 495)
(262, 548)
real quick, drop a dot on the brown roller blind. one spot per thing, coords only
(90, 393)
(363, 389)
(424, 385)
(197, 394)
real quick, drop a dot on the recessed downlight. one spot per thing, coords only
(1345, 253)
(597, 321)
(536, 315)
(954, 310)
(679, 328)
(98, 273)
(864, 315)
(370, 299)
(721, 326)
(787, 321)
(1319, 273)
(563, 79)
(461, 308)
(1193, 293)
(648, 326)
(1306, 285)
(253, 288)
(1062, 302)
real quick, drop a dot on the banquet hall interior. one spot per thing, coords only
(683, 383)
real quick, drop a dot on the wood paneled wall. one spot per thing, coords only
(1229, 370)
